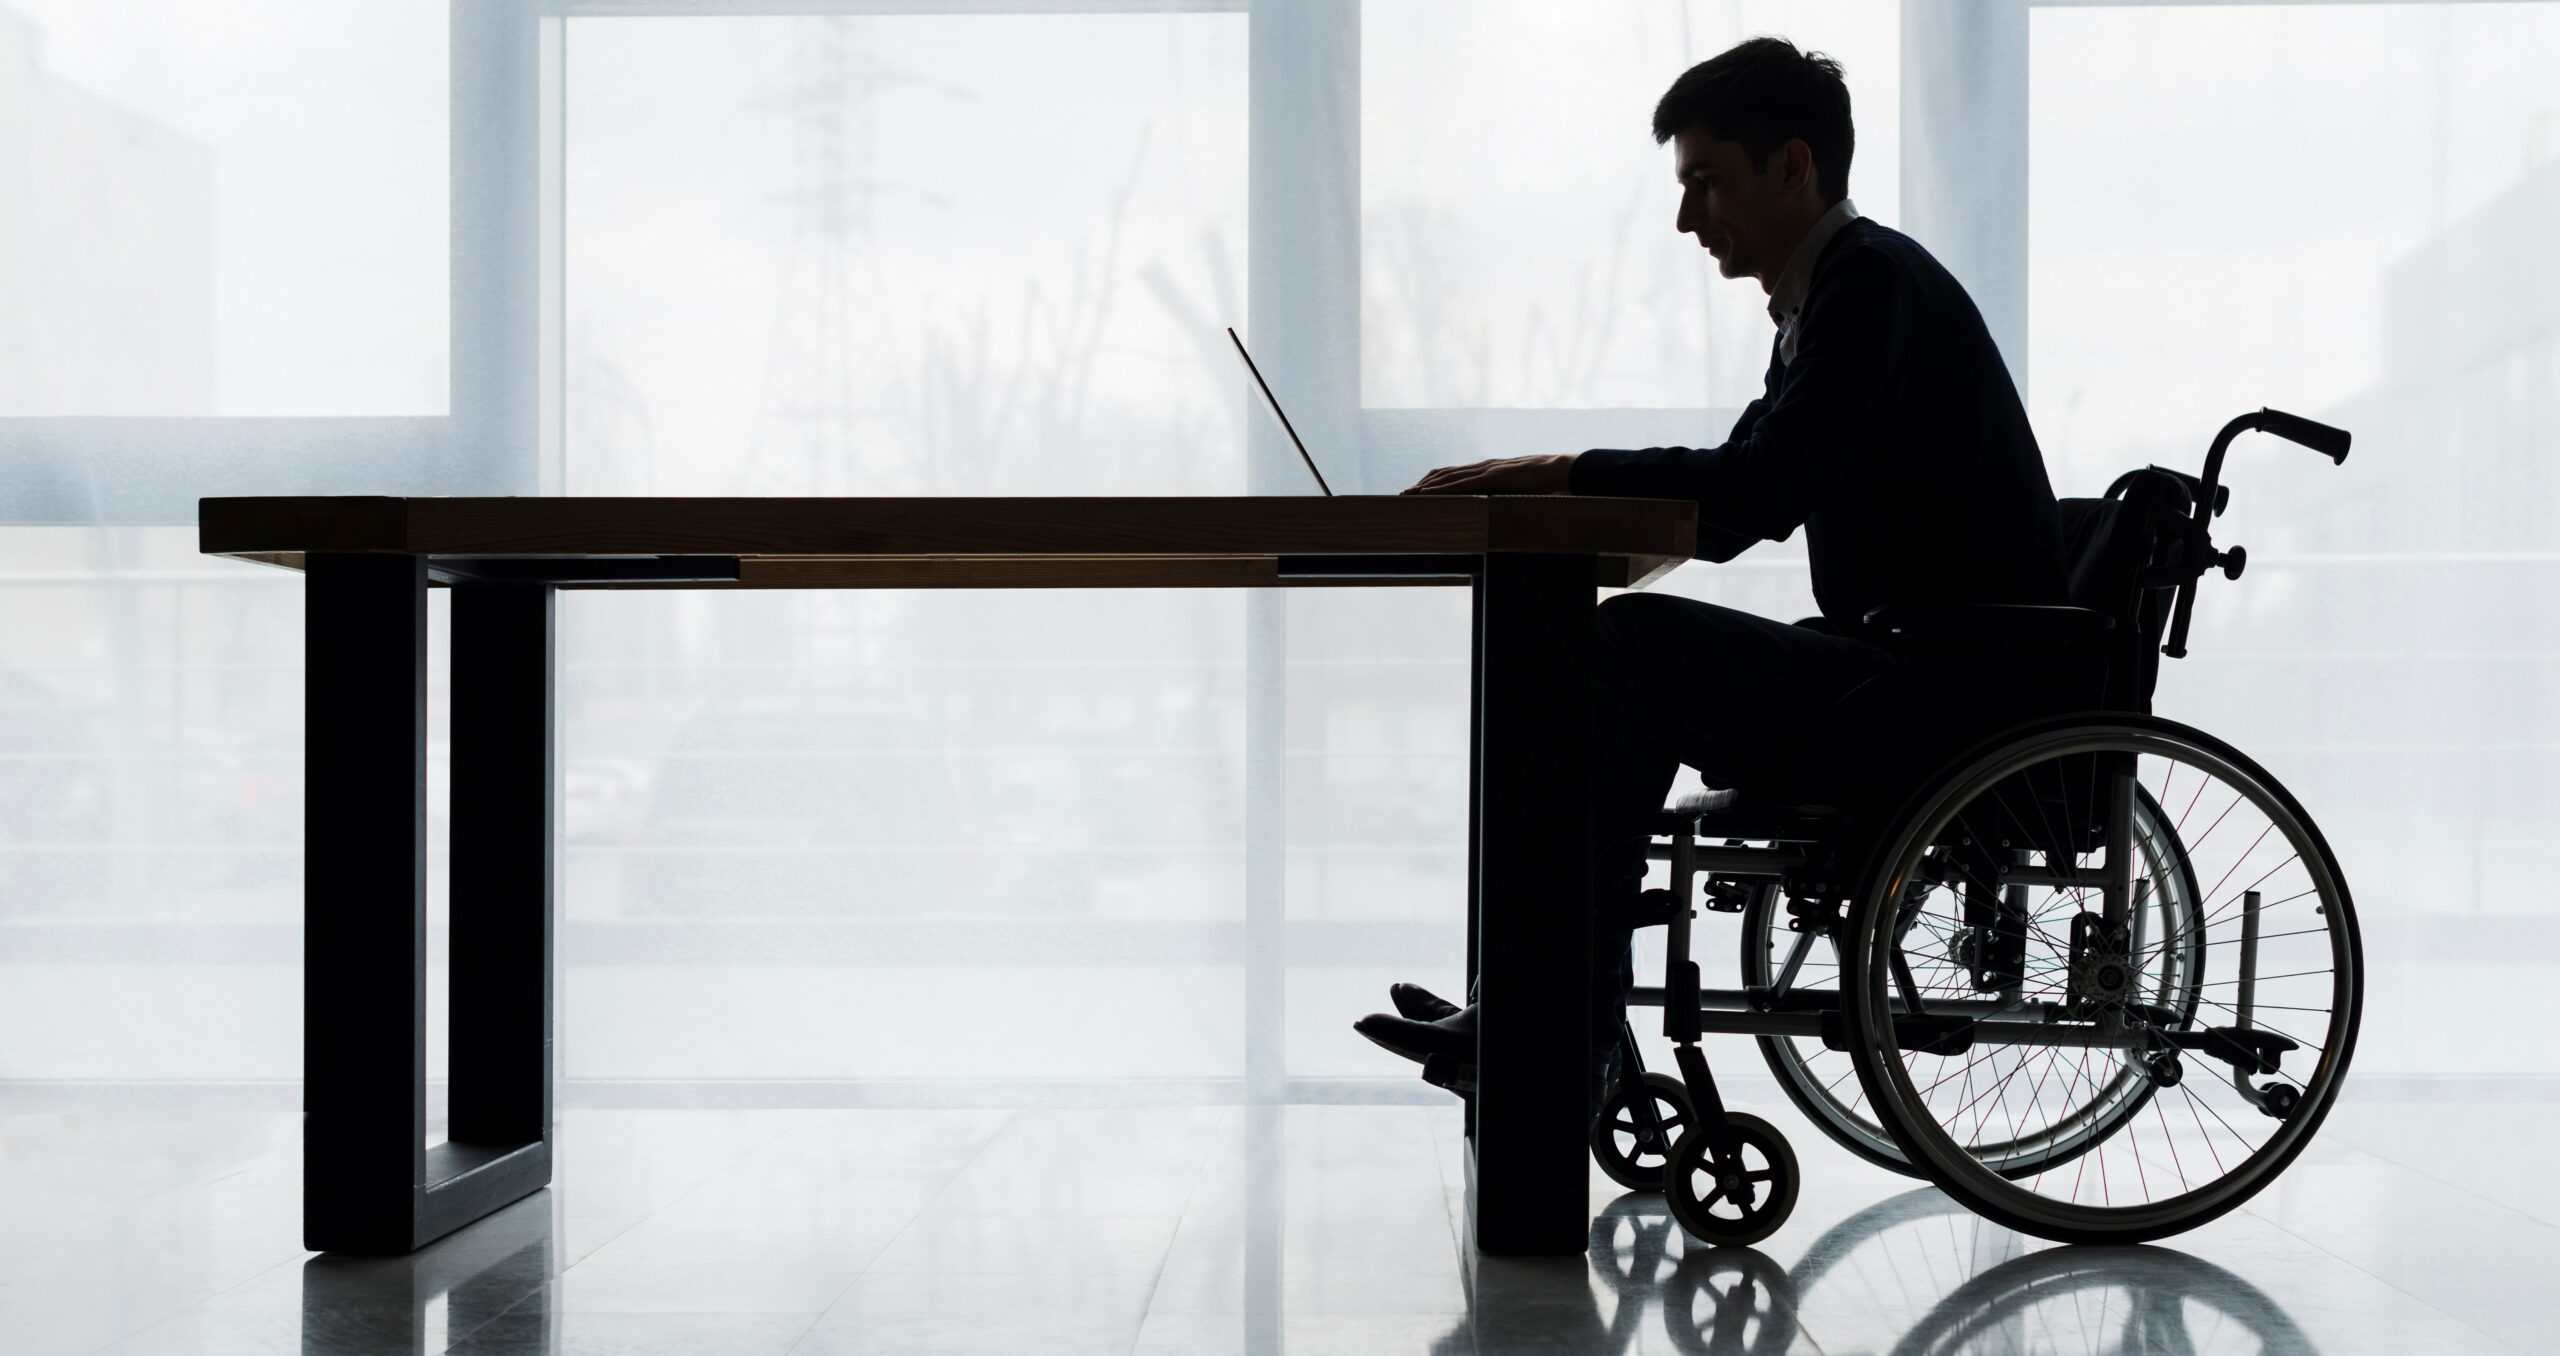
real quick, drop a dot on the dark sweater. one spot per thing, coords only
(1895, 438)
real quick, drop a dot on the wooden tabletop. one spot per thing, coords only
(1154, 542)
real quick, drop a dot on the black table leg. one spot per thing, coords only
(370, 1185)
(1530, 1186)
(500, 1124)
(1475, 792)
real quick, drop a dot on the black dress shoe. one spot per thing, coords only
(1420, 1004)
(1453, 1036)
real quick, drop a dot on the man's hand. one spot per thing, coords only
(1509, 475)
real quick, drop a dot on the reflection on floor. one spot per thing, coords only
(1204, 1230)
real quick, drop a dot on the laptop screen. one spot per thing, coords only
(1272, 402)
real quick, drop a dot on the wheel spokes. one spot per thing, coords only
(2153, 1000)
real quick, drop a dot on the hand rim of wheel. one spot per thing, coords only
(1954, 1168)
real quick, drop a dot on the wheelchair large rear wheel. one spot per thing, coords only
(1823, 1082)
(2213, 1094)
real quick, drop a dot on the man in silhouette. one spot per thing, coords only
(1887, 429)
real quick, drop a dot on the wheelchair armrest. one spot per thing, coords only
(1989, 621)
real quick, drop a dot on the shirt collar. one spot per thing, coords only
(1796, 280)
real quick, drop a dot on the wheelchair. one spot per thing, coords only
(2093, 973)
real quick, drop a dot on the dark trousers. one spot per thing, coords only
(1676, 681)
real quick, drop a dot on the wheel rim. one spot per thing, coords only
(1739, 1199)
(2216, 1156)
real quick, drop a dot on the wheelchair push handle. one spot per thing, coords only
(2328, 441)
(2321, 438)
(2293, 428)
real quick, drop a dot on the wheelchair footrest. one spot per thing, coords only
(2250, 1050)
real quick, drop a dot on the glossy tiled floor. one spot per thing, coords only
(2416, 1228)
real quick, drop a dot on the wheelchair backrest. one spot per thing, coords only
(1894, 730)
(2122, 556)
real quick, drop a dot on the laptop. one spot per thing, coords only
(1277, 413)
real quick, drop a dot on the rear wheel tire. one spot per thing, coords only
(2201, 1135)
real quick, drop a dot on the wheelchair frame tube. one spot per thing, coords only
(2248, 960)
(2141, 919)
(1683, 856)
(2244, 1017)
(2116, 887)
(2013, 898)
(1742, 1012)
(1726, 861)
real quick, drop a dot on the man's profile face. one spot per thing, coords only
(1733, 207)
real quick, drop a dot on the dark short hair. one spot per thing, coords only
(1760, 94)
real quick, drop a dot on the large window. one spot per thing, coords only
(907, 255)
(1516, 237)
(665, 247)
(228, 209)
(2340, 211)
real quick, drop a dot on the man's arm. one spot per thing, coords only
(1557, 475)
(1715, 545)
(1790, 448)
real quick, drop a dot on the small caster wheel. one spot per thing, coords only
(1632, 1155)
(2279, 1100)
(1736, 1199)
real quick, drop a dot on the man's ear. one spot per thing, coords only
(1797, 160)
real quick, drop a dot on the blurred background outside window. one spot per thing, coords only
(842, 847)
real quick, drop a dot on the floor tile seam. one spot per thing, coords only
(2385, 1281)
(749, 1151)
(1012, 1117)
(452, 1341)
(85, 1225)
(1191, 1197)
(1440, 1178)
(115, 1213)
(250, 1339)
(2456, 1186)
(201, 1301)
(609, 1240)
(556, 1277)
(532, 1292)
